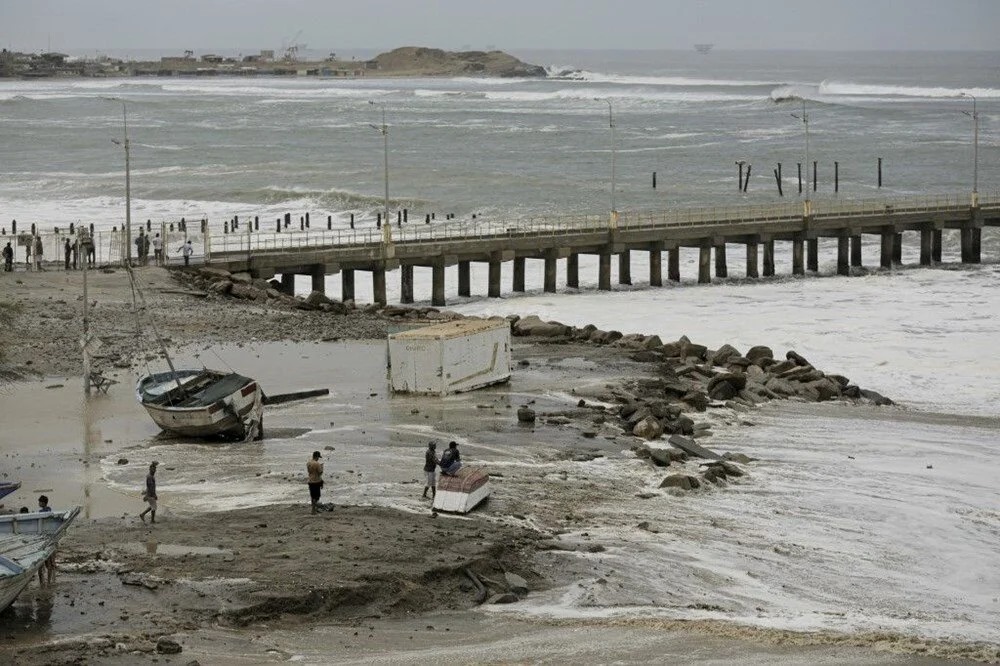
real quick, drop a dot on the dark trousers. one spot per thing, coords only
(314, 492)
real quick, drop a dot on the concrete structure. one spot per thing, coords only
(757, 229)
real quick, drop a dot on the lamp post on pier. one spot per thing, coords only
(805, 121)
(975, 148)
(384, 130)
(613, 220)
(124, 143)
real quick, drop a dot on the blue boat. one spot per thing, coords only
(7, 487)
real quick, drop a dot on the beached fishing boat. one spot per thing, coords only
(39, 522)
(26, 541)
(7, 487)
(204, 403)
(463, 491)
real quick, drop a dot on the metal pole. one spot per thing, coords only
(975, 148)
(384, 129)
(805, 121)
(86, 328)
(128, 190)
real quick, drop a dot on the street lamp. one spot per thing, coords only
(613, 222)
(128, 181)
(975, 148)
(384, 129)
(805, 121)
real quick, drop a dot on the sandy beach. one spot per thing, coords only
(235, 579)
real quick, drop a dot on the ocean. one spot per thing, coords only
(854, 520)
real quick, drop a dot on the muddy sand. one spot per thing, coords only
(357, 584)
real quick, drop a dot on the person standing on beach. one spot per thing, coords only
(8, 258)
(157, 250)
(315, 470)
(149, 495)
(430, 469)
(48, 569)
(38, 253)
(68, 251)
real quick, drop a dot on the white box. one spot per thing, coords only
(450, 357)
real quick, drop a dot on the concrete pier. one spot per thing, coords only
(656, 265)
(518, 281)
(551, 263)
(437, 282)
(885, 258)
(797, 266)
(572, 271)
(926, 242)
(812, 255)
(674, 264)
(406, 284)
(721, 270)
(705, 263)
(465, 278)
(856, 250)
(493, 278)
(604, 271)
(752, 255)
(769, 258)
(843, 255)
(624, 267)
(347, 285)
(378, 286)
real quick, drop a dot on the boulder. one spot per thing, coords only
(714, 474)
(852, 391)
(697, 400)
(781, 366)
(652, 343)
(876, 397)
(736, 380)
(758, 352)
(722, 355)
(505, 598)
(682, 481)
(245, 291)
(516, 584)
(167, 645)
(738, 457)
(221, 287)
(214, 273)
(661, 457)
(317, 298)
(796, 358)
(648, 428)
(826, 388)
(780, 386)
(722, 391)
(241, 278)
(533, 326)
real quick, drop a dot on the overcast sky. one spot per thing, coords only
(250, 25)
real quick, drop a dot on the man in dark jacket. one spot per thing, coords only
(430, 469)
(149, 495)
(451, 460)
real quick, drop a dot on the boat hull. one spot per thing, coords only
(463, 491)
(238, 414)
(27, 540)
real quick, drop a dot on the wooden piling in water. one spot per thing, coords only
(654, 180)
(746, 181)
(880, 173)
(329, 222)
(836, 177)
(800, 176)
(777, 180)
(814, 176)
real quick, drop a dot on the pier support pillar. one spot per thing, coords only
(625, 267)
(812, 254)
(573, 271)
(674, 264)
(551, 264)
(721, 270)
(494, 278)
(965, 237)
(437, 283)
(856, 250)
(977, 245)
(518, 282)
(288, 282)
(885, 258)
(843, 255)
(656, 265)
(464, 280)
(926, 241)
(318, 275)
(378, 286)
(406, 284)
(705, 263)
(752, 260)
(347, 285)
(897, 249)
(769, 258)
(604, 271)
(797, 265)
(936, 246)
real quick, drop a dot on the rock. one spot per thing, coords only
(852, 391)
(796, 358)
(696, 399)
(533, 326)
(317, 298)
(782, 387)
(506, 598)
(653, 342)
(244, 291)
(241, 278)
(221, 287)
(722, 355)
(167, 645)
(759, 352)
(738, 457)
(214, 273)
(876, 397)
(826, 388)
(648, 428)
(525, 415)
(782, 366)
(714, 474)
(682, 481)
(646, 356)
(516, 584)
(123, 461)
(726, 385)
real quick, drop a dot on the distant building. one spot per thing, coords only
(211, 57)
(267, 54)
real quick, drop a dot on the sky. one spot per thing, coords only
(337, 25)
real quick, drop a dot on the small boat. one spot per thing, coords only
(7, 487)
(463, 491)
(26, 541)
(38, 522)
(204, 403)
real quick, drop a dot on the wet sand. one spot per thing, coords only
(237, 571)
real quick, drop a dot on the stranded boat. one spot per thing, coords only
(26, 541)
(463, 491)
(204, 403)
(7, 487)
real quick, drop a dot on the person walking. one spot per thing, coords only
(68, 251)
(451, 460)
(315, 470)
(38, 253)
(149, 495)
(8, 258)
(430, 469)
(187, 250)
(48, 569)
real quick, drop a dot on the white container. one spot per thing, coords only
(450, 357)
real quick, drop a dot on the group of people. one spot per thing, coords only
(142, 244)
(449, 462)
(48, 568)
(33, 253)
